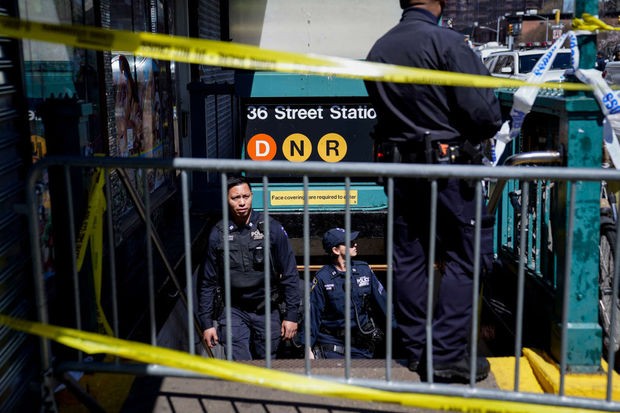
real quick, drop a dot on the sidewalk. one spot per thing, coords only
(177, 394)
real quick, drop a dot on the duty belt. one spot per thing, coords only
(256, 306)
(250, 306)
(356, 336)
(448, 153)
(433, 151)
(398, 152)
(332, 348)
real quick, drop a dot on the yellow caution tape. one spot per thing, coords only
(591, 23)
(91, 233)
(242, 373)
(95, 208)
(96, 253)
(239, 56)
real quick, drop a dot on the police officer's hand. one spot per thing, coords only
(288, 330)
(210, 337)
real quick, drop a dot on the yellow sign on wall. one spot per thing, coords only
(315, 197)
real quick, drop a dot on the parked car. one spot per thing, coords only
(518, 64)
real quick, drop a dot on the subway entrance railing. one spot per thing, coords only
(527, 179)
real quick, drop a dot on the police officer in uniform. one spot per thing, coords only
(434, 124)
(246, 257)
(327, 303)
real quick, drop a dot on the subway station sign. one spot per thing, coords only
(299, 118)
(301, 129)
(299, 132)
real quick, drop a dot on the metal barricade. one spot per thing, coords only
(573, 178)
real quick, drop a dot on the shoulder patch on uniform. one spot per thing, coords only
(315, 281)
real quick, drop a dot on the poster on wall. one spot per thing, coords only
(143, 99)
(138, 112)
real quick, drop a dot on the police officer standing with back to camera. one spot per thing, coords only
(434, 124)
(327, 303)
(246, 257)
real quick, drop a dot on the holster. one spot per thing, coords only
(318, 352)
(450, 153)
(435, 151)
(398, 152)
(386, 151)
(218, 302)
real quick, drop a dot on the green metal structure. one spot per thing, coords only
(570, 123)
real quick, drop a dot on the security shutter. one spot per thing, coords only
(213, 107)
(19, 355)
(218, 107)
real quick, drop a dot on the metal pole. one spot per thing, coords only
(497, 32)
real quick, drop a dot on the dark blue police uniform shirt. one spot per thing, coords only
(448, 113)
(283, 259)
(327, 301)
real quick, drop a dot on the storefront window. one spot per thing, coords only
(142, 90)
(56, 71)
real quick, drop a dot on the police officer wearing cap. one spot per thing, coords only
(247, 266)
(421, 123)
(327, 303)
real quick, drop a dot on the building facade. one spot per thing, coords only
(487, 20)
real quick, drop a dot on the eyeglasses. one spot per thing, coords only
(351, 245)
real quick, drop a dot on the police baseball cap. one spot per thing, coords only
(335, 237)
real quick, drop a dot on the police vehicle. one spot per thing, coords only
(519, 63)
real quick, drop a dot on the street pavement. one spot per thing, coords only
(175, 394)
